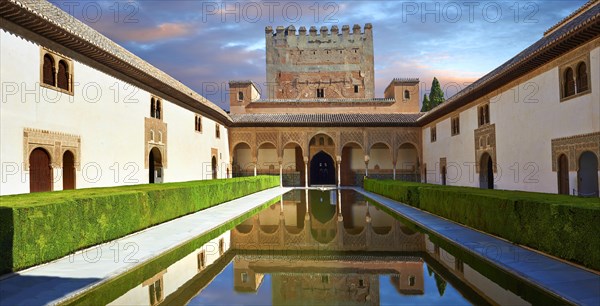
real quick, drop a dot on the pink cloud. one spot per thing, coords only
(162, 31)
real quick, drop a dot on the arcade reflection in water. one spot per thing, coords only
(321, 247)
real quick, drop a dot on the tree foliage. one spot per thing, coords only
(436, 96)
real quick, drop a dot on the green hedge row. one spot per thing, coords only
(40, 227)
(560, 225)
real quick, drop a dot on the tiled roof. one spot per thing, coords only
(325, 119)
(340, 100)
(574, 33)
(51, 22)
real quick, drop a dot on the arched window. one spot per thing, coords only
(151, 135)
(152, 108)
(63, 75)
(406, 94)
(569, 86)
(240, 96)
(160, 136)
(582, 77)
(48, 70)
(158, 109)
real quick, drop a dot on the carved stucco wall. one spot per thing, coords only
(55, 143)
(573, 147)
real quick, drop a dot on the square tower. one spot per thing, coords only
(320, 65)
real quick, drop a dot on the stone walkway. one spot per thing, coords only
(61, 279)
(569, 282)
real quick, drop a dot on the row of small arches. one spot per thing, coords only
(575, 81)
(55, 75)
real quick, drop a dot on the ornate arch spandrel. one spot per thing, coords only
(573, 147)
(55, 143)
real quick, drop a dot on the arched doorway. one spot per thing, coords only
(353, 164)
(243, 164)
(322, 169)
(486, 172)
(68, 170)
(444, 175)
(40, 171)
(213, 167)
(293, 165)
(563, 174)
(587, 175)
(407, 163)
(155, 166)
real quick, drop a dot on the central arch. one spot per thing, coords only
(322, 169)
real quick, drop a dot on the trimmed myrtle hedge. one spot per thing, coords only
(40, 227)
(560, 225)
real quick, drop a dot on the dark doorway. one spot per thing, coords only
(322, 170)
(444, 175)
(155, 166)
(587, 175)
(563, 175)
(40, 172)
(68, 170)
(486, 172)
(213, 167)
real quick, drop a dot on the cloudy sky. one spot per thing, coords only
(204, 44)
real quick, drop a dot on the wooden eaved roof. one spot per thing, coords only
(49, 21)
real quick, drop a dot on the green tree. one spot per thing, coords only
(436, 95)
(426, 104)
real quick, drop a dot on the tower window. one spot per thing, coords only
(406, 94)
(320, 93)
(355, 88)
(240, 96)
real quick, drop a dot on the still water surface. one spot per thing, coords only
(327, 247)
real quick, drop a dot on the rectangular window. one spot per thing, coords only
(240, 96)
(320, 93)
(455, 122)
(244, 277)
(217, 130)
(355, 88)
(433, 134)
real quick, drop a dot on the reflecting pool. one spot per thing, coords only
(320, 247)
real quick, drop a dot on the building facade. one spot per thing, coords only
(80, 111)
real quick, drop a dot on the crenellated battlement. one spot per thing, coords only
(324, 35)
